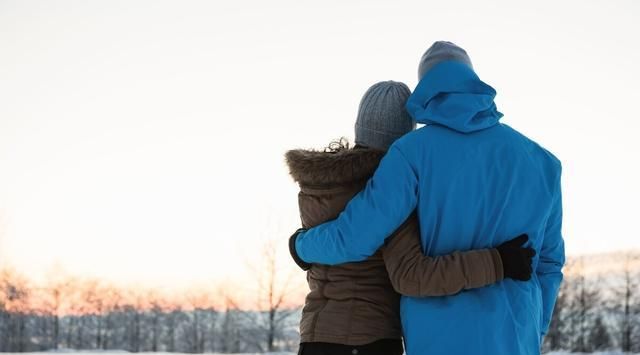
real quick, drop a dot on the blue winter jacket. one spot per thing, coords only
(475, 183)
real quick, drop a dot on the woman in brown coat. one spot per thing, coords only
(354, 308)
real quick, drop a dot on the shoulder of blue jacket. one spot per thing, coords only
(417, 137)
(537, 148)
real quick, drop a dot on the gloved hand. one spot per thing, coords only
(516, 260)
(294, 254)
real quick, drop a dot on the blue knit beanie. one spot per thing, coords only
(439, 52)
(382, 117)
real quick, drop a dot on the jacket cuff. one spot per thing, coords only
(497, 262)
(294, 253)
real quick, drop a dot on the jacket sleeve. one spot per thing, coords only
(552, 258)
(371, 216)
(414, 274)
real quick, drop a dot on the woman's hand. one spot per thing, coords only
(294, 254)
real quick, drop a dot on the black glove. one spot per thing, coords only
(516, 260)
(294, 254)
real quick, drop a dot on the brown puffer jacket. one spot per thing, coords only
(358, 303)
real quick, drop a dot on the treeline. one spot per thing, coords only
(598, 307)
(73, 313)
(201, 330)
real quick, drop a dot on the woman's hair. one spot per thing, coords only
(342, 144)
(337, 145)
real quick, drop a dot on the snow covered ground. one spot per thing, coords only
(281, 353)
(98, 352)
(89, 352)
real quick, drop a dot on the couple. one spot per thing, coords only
(411, 232)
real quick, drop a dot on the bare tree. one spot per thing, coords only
(135, 311)
(58, 291)
(14, 301)
(556, 337)
(599, 337)
(90, 307)
(112, 298)
(230, 327)
(155, 312)
(198, 302)
(173, 317)
(585, 303)
(275, 289)
(629, 305)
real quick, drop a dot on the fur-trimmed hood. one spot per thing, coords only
(317, 168)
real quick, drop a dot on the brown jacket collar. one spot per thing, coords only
(317, 168)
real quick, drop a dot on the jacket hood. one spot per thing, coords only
(452, 95)
(309, 167)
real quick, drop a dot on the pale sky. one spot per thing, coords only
(143, 140)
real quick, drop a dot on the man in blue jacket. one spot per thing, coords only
(474, 182)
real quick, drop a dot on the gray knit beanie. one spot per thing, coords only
(439, 52)
(382, 117)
